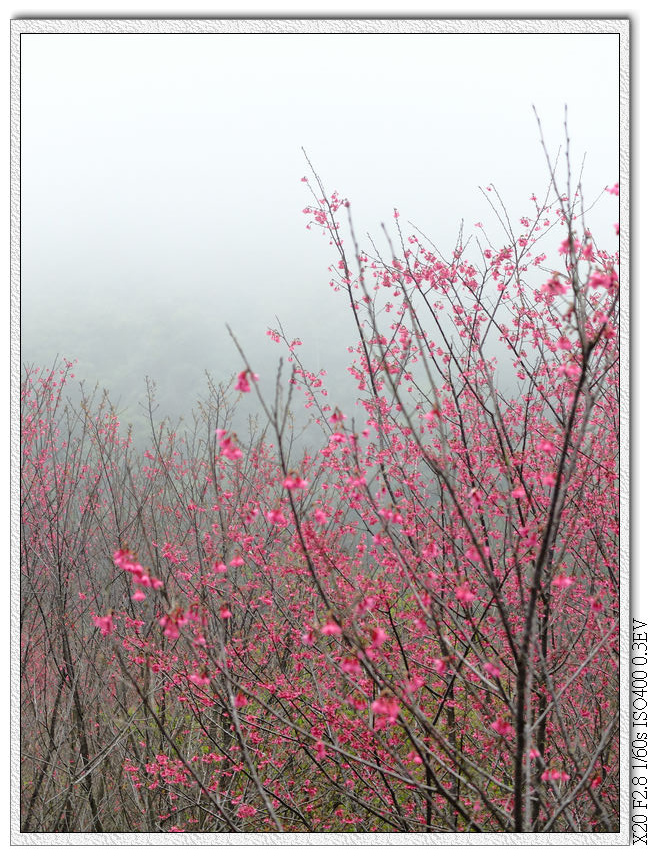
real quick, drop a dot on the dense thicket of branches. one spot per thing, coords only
(411, 628)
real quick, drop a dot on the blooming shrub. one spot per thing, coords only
(412, 628)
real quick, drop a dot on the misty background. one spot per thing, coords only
(161, 195)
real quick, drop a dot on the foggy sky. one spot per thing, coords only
(161, 193)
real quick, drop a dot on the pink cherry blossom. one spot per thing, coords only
(276, 517)
(330, 628)
(242, 382)
(554, 775)
(308, 637)
(562, 581)
(350, 665)
(228, 446)
(388, 706)
(105, 624)
(554, 287)
(474, 554)
(294, 483)
(440, 666)
(171, 622)
(492, 670)
(464, 594)
(502, 727)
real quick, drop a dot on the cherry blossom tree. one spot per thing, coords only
(412, 627)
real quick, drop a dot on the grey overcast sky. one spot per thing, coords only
(161, 192)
